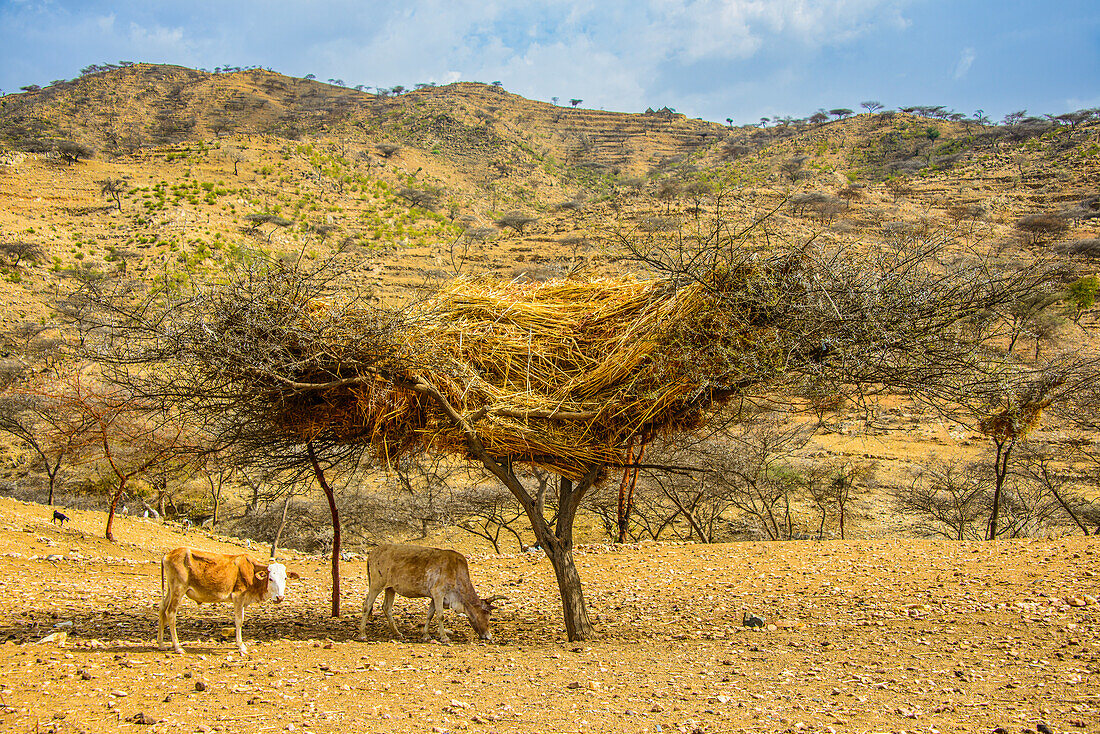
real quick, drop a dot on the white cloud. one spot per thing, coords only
(966, 59)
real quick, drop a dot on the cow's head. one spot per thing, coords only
(479, 613)
(276, 576)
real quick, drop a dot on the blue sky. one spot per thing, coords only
(715, 59)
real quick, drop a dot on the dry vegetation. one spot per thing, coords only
(535, 266)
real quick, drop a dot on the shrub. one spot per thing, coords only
(1040, 227)
(1085, 248)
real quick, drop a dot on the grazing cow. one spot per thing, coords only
(413, 571)
(210, 577)
(59, 517)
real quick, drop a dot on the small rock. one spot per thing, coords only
(200, 686)
(119, 694)
(573, 686)
(143, 718)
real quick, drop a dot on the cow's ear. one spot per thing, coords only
(292, 575)
(261, 575)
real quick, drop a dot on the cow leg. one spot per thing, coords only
(437, 602)
(238, 620)
(368, 610)
(387, 604)
(161, 620)
(424, 637)
(168, 613)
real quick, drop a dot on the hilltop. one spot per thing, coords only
(208, 165)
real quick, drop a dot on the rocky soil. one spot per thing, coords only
(863, 636)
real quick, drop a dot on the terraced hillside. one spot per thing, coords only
(175, 174)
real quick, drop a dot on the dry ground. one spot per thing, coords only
(871, 635)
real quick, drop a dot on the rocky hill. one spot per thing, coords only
(171, 173)
(179, 170)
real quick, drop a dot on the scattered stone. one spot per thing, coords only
(200, 686)
(143, 718)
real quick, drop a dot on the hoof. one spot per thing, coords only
(361, 638)
(179, 650)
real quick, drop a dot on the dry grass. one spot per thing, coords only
(558, 374)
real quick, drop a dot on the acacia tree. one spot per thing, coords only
(284, 362)
(115, 427)
(946, 499)
(43, 423)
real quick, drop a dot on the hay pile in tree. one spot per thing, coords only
(559, 375)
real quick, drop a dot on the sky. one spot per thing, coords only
(714, 59)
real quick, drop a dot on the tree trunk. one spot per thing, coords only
(557, 543)
(114, 503)
(577, 624)
(1000, 472)
(282, 524)
(626, 491)
(335, 529)
(1069, 510)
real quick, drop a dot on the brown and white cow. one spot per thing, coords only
(414, 571)
(209, 577)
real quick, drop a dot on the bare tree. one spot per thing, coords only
(127, 435)
(43, 423)
(515, 220)
(1014, 411)
(792, 167)
(946, 499)
(278, 358)
(20, 250)
(488, 511)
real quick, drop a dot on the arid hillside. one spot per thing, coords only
(174, 175)
(470, 178)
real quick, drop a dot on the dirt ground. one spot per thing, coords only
(866, 636)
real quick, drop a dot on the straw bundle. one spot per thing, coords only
(560, 375)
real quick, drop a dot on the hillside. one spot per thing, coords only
(169, 173)
(402, 177)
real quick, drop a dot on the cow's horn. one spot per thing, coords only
(495, 597)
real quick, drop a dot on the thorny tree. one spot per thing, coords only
(913, 317)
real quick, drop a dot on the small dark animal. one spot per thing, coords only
(751, 620)
(60, 517)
